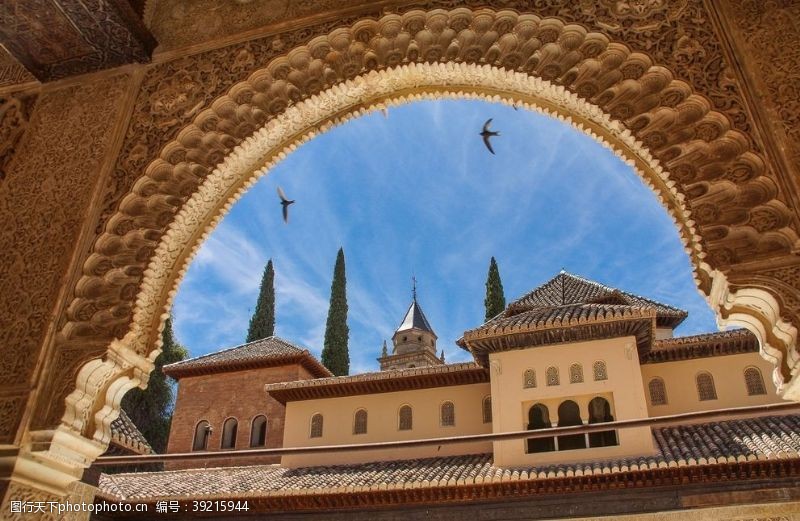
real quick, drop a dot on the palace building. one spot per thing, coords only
(571, 352)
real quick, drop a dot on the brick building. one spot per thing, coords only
(221, 404)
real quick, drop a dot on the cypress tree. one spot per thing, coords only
(151, 409)
(495, 301)
(262, 323)
(335, 355)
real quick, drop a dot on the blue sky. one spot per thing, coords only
(417, 193)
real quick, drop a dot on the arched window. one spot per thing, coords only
(539, 418)
(705, 387)
(576, 374)
(658, 391)
(552, 376)
(360, 422)
(570, 414)
(258, 431)
(487, 409)
(600, 412)
(600, 371)
(229, 429)
(201, 434)
(448, 414)
(754, 382)
(316, 426)
(529, 381)
(406, 418)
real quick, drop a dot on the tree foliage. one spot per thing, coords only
(495, 301)
(262, 323)
(335, 354)
(151, 409)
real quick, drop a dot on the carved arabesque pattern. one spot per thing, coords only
(771, 32)
(57, 161)
(713, 164)
(15, 113)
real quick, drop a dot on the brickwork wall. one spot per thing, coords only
(238, 394)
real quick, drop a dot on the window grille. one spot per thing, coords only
(406, 418)
(360, 422)
(754, 381)
(576, 374)
(705, 387)
(530, 379)
(552, 376)
(658, 392)
(600, 371)
(487, 409)
(316, 426)
(448, 414)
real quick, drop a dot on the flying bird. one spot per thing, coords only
(486, 134)
(285, 202)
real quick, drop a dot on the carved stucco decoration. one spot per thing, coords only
(771, 36)
(177, 23)
(678, 34)
(15, 114)
(682, 147)
(58, 159)
(53, 39)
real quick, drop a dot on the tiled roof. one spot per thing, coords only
(566, 288)
(415, 319)
(266, 352)
(763, 438)
(700, 346)
(559, 324)
(125, 434)
(379, 382)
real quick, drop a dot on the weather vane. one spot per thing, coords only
(414, 287)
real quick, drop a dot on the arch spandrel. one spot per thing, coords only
(657, 123)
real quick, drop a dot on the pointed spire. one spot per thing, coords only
(442, 357)
(414, 319)
(384, 351)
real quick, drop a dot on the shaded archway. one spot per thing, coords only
(600, 412)
(669, 134)
(569, 414)
(539, 418)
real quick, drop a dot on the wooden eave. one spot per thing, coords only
(482, 342)
(353, 386)
(702, 346)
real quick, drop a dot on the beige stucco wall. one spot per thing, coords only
(623, 389)
(383, 424)
(728, 375)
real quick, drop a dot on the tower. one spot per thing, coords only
(414, 341)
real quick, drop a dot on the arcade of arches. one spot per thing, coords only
(109, 179)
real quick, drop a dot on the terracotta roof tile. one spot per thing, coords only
(769, 437)
(566, 288)
(253, 354)
(125, 434)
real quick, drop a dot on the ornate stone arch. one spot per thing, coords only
(705, 172)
